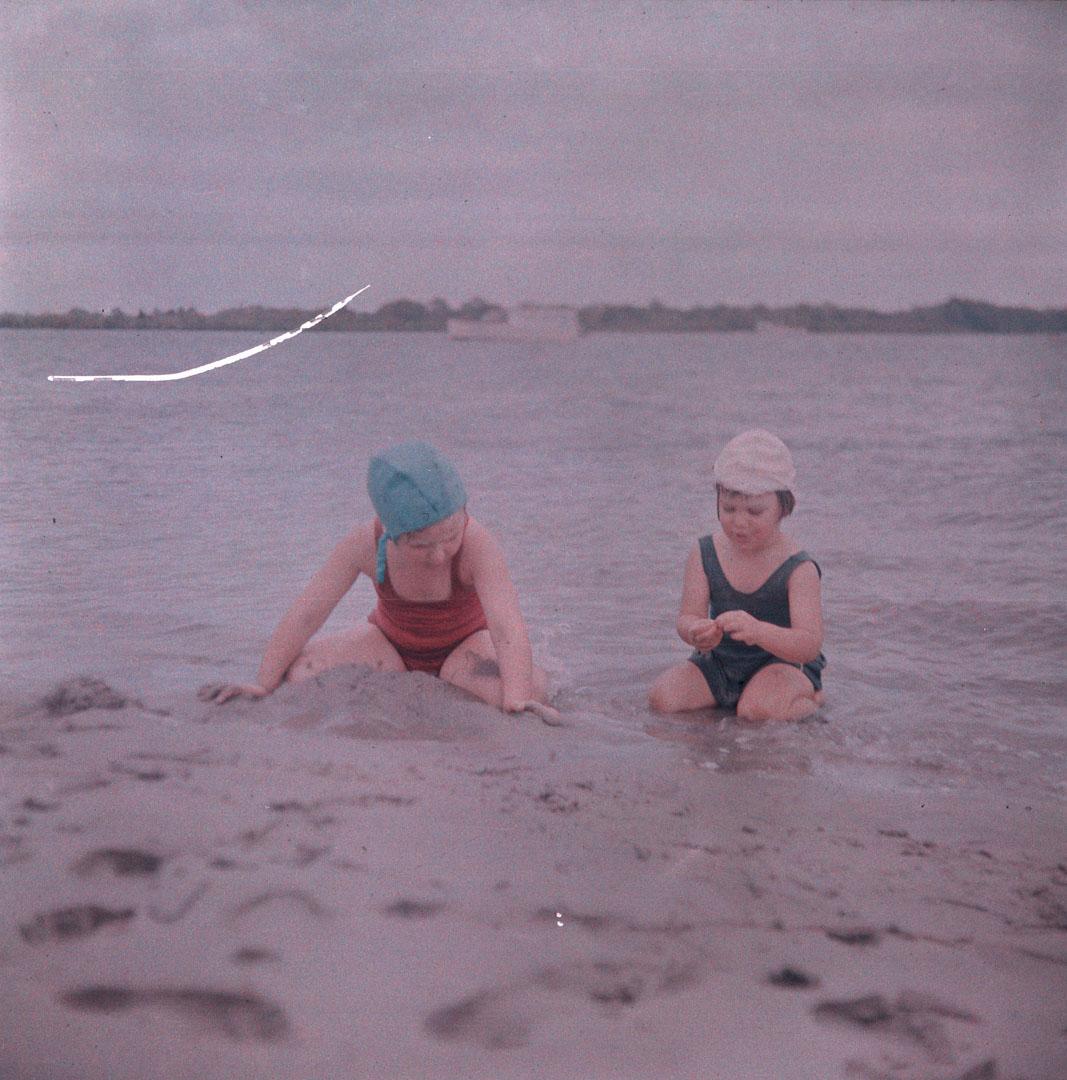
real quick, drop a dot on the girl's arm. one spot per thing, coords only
(314, 605)
(307, 613)
(507, 628)
(693, 626)
(798, 643)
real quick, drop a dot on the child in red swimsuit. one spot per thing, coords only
(446, 603)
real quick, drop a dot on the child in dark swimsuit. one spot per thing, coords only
(751, 604)
(446, 603)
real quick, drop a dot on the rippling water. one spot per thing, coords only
(154, 533)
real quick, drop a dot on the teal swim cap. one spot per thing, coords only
(412, 487)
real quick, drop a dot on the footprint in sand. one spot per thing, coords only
(913, 1017)
(39, 806)
(619, 983)
(413, 909)
(122, 862)
(137, 772)
(486, 1018)
(792, 978)
(502, 1017)
(289, 897)
(236, 1016)
(253, 954)
(854, 935)
(71, 922)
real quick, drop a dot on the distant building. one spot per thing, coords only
(527, 322)
(765, 327)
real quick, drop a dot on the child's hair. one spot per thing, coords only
(786, 500)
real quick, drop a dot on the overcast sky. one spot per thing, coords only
(225, 152)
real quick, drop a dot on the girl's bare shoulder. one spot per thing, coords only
(479, 538)
(480, 547)
(360, 547)
(806, 572)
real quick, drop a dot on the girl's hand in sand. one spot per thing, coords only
(547, 714)
(740, 626)
(705, 634)
(220, 693)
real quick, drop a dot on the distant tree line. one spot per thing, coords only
(952, 317)
(398, 315)
(955, 316)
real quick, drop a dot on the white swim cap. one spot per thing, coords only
(754, 463)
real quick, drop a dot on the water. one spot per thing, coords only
(154, 533)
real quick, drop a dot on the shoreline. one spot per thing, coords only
(480, 318)
(373, 875)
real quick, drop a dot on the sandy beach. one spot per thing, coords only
(374, 876)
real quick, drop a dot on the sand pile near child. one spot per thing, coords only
(362, 704)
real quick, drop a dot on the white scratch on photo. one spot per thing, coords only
(169, 377)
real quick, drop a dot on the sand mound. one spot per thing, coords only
(79, 694)
(351, 701)
(362, 704)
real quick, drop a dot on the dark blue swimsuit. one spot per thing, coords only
(728, 667)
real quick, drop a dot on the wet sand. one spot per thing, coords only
(373, 876)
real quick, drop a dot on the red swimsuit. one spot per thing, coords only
(425, 632)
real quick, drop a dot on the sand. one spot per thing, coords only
(373, 876)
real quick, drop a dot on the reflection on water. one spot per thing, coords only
(730, 746)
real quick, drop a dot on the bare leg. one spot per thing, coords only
(472, 667)
(367, 645)
(778, 692)
(681, 688)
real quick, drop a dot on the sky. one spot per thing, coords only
(220, 153)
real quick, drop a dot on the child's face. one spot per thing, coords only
(749, 521)
(437, 544)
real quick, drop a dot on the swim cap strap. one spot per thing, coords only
(380, 571)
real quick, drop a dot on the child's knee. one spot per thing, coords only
(783, 706)
(748, 711)
(803, 706)
(661, 698)
(680, 689)
(760, 708)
